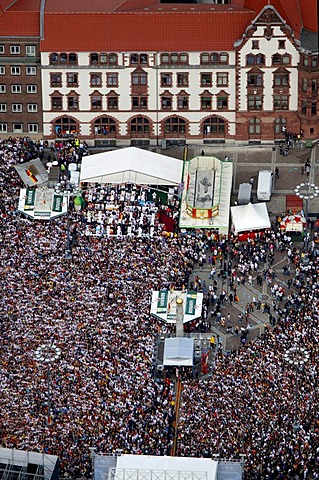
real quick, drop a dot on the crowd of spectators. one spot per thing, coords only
(96, 309)
(247, 405)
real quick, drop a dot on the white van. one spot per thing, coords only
(244, 193)
(264, 186)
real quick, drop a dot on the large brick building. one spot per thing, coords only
(147, 72)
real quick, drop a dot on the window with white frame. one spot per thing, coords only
(3, 88)
(1, 49)
(15, 70)
(32, 89)
(3, 127)
(16, 107)
(2, 70)
(16, 88)
(30, 51)
(17, 127)
(32, 107)
(3, 107)
(33, 127)
(31, 70)
(15, 49)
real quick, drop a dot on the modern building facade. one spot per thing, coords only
(145, 72)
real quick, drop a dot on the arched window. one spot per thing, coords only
(54, 58)
(103, 58)
(65, 126)
(278, 59)
(63, 58)
(94, 58)
(214, 127)
(258, 59)
(73, 59)
(139, 126)
(175, 126)
(105, 126)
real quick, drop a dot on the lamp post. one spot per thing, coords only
(47, 353)
(307, 191)
(296, 356)
(67, 188)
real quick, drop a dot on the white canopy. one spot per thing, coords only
(178, 351)
(131, 165)
(136, 467)
(250, 217)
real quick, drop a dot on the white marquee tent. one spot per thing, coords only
(131, 165)
(253, 216)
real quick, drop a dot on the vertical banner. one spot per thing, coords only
(29, 199)
(57, 203)
(162, 301)
(191, 304)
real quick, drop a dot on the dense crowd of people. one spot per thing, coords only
(96, 309)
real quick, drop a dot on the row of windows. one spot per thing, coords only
(280, 102)
(18, 127)
(141, 126)
(72, 79)
(211, 126)
(309, 106)
(260, 59)
(182, 79)
(112, 80)
(207, 58)
(166, 79)
(17, 70)
(257, 79)
(255, 44)
(17, 88)
(30, 50)
(313, 84)
(310, 61)
(18, 107)
(139, 102)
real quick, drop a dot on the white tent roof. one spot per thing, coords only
(136, 467)
(178, 351)
(131, 165)
(250, 217)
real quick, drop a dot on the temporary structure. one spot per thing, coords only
(178, 351)
(293, 223)
(253, 216)
(131, 165)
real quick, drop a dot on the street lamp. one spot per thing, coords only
(307, 191)
(296, 356)
(48, 353)
(67, 188)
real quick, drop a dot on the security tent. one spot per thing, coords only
(131, 165)
(250, 217)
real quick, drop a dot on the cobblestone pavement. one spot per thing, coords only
(246, 293)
